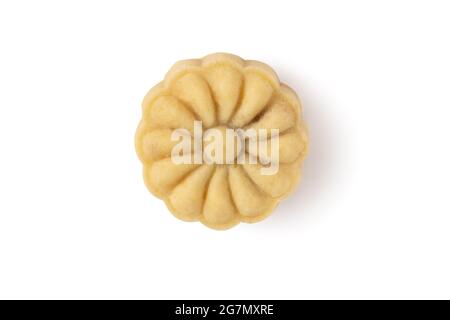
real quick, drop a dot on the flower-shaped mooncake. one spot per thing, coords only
(224, 92)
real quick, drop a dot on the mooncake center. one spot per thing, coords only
(221, 145)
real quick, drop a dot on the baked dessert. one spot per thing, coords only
(222, 92)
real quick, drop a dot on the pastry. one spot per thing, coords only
(221, 93)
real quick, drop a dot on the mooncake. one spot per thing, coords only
(254, 158)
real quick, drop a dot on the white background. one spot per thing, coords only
(371, 218)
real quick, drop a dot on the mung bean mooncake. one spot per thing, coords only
(221, 140)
